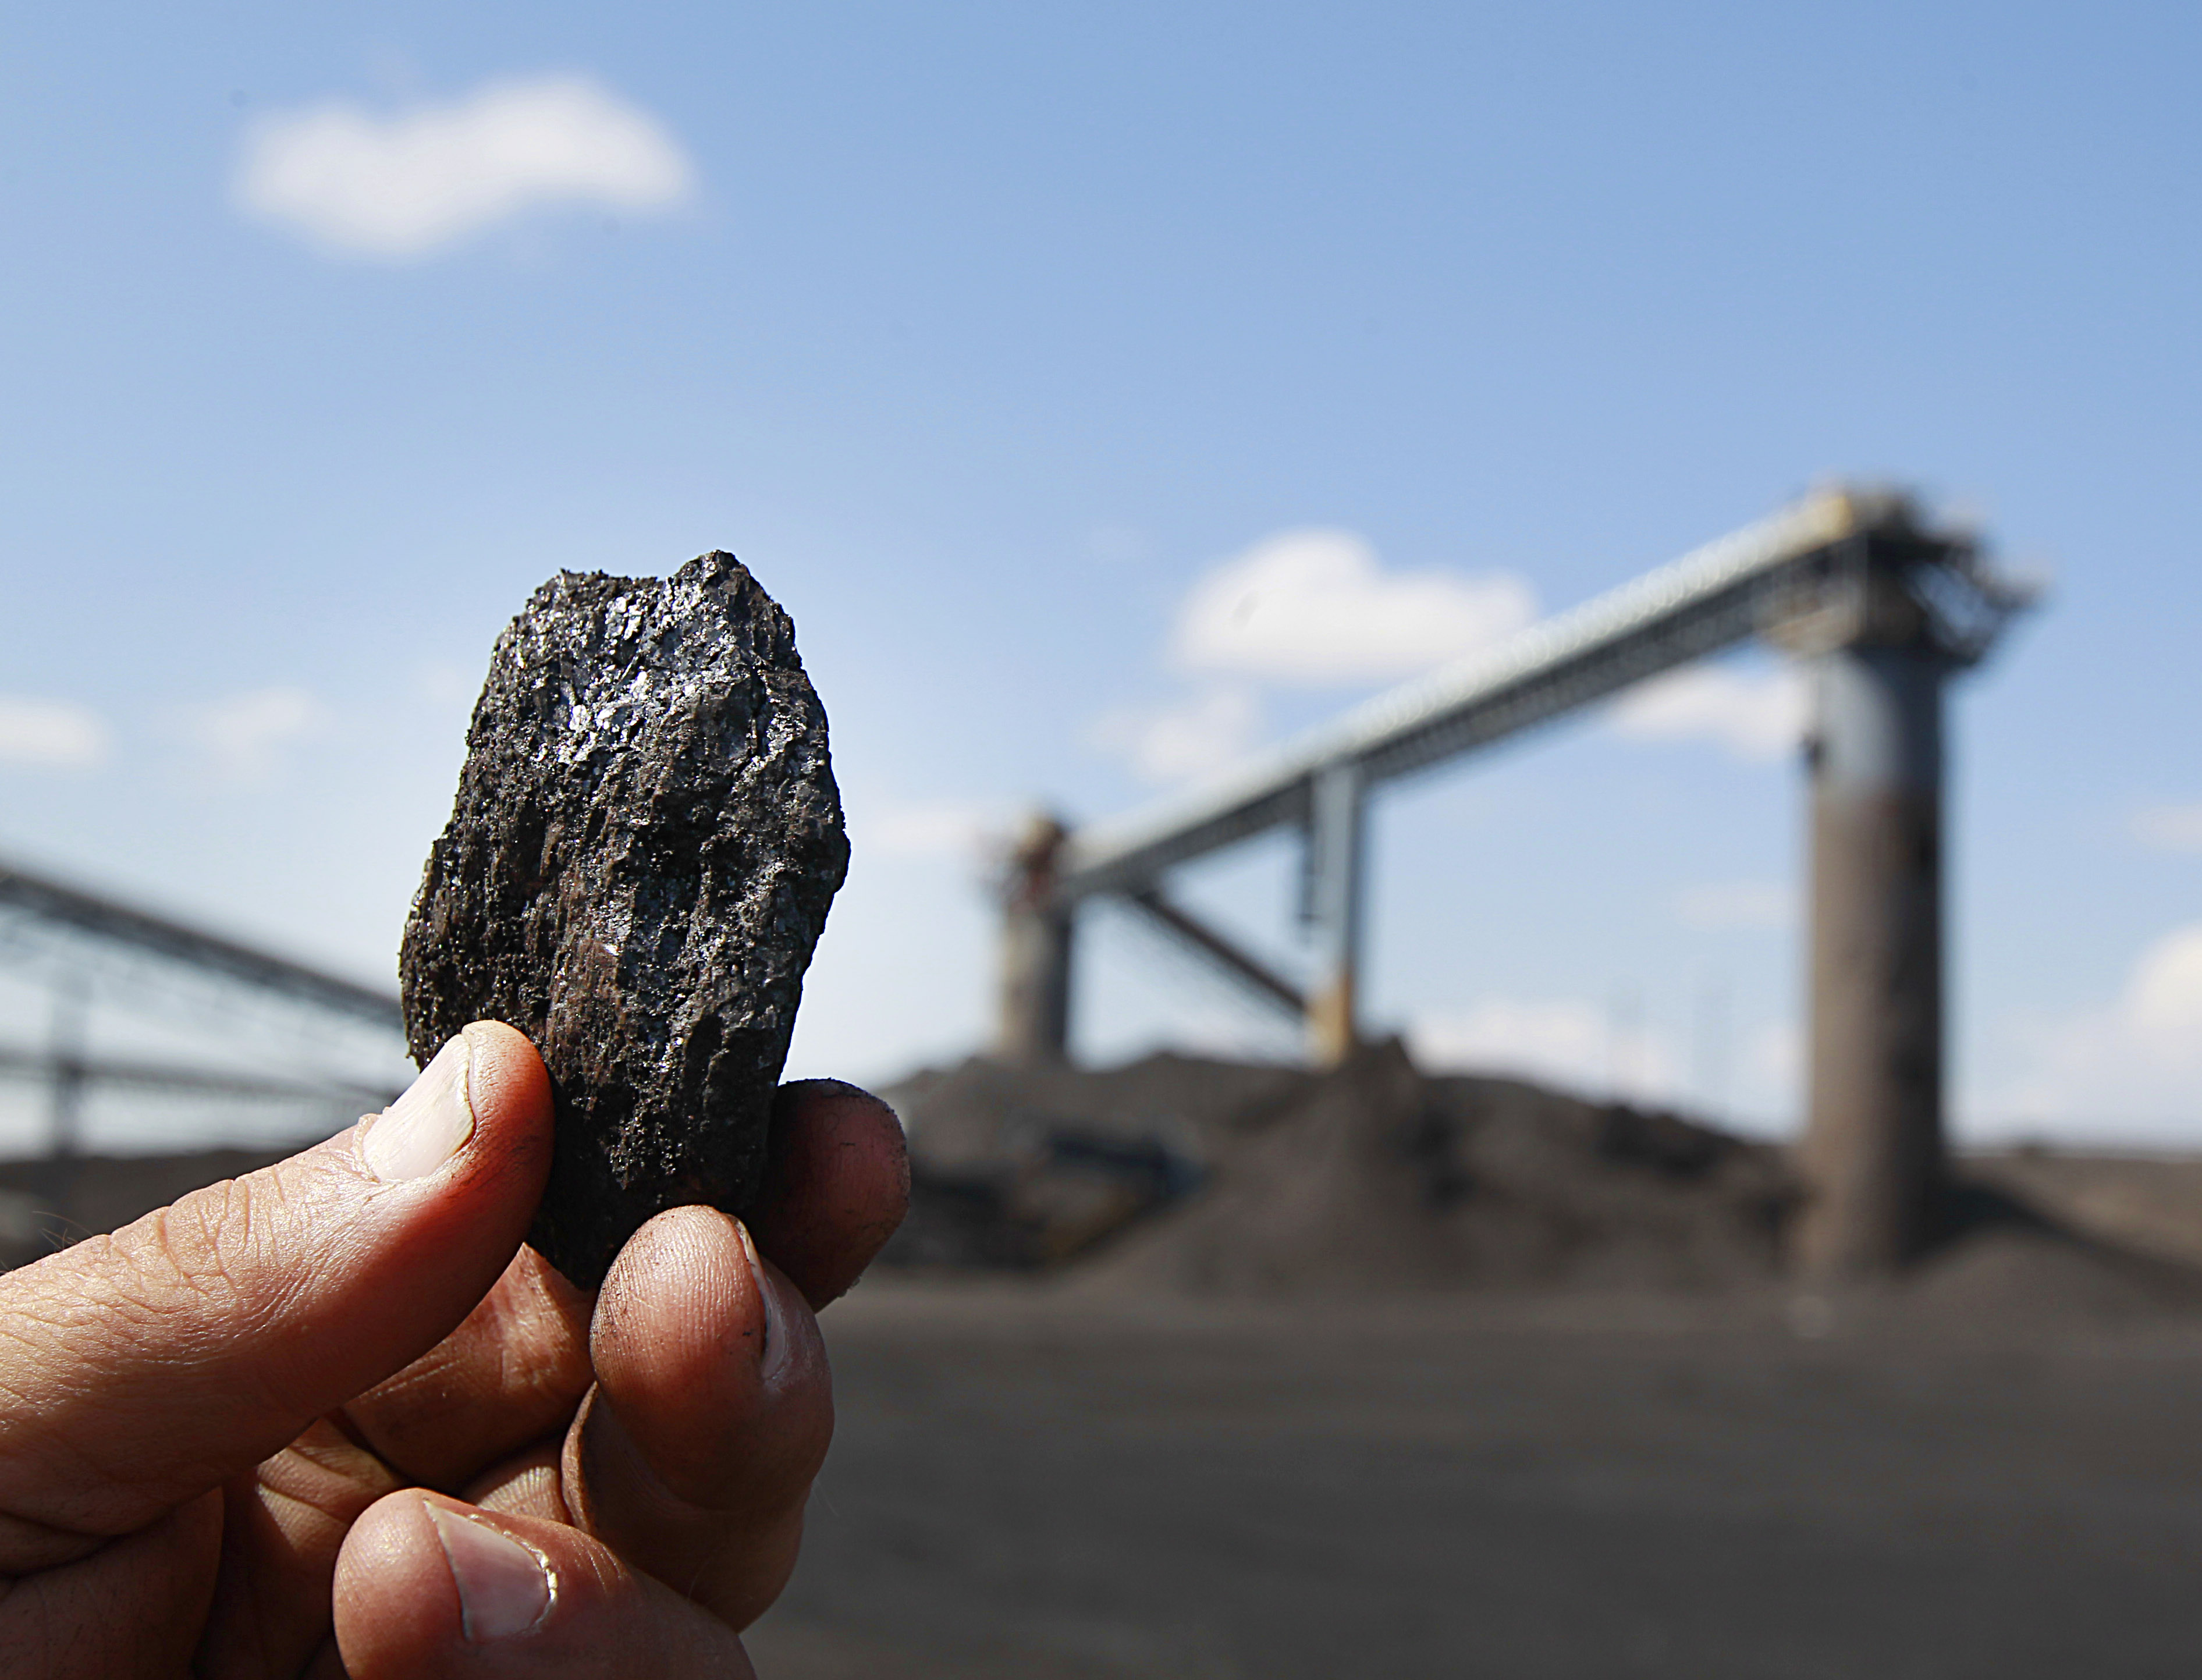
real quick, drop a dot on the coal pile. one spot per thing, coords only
(1022, 1168)
(1184, 1177)
(1179, 1174)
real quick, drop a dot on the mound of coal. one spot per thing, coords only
(983, 1111)
(1372, 1176)
(1020, 1168)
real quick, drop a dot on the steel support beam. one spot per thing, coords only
(1798, 568)
(182, 1079)
(1222, 952)
(1722, 593)
(1337, 823)
(52, 901)
(65, 1117)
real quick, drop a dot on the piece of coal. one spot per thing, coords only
(645, 842)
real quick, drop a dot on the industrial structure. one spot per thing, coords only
(75, 942)
(1881, 608)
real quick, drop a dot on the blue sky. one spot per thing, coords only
(989, 336)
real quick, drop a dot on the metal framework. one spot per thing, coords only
(1881, 606)
(178, 1078)
(1798, 578)
(41, 901)
(102, 918)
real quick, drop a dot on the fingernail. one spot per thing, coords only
(772, 1358)
(427, 1125)
(505, 1588)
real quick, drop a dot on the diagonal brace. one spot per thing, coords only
(1202, 941)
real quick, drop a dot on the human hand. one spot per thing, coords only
(325, 1421)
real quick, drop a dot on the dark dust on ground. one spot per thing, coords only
(1032, 1481)
(1441, 1377)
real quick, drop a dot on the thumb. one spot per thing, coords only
(141, 1369)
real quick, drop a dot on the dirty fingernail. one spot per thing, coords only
(504, 1587)
(428, 1124)
(773, 1357)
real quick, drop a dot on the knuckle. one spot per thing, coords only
(192, 1259)
(200, 1275)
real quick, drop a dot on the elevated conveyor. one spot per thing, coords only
(1881, 605)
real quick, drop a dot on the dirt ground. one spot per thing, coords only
(1035, 1481)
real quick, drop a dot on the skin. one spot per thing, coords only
(276, 1429)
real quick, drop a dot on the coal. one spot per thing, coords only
(647, 840)
(1379, 1177)
(1180, 1177)
(1373, 1177)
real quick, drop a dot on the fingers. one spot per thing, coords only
(838, 1185)
(123, 1613)
(511, 1375)
(713, 1407)
(281, 1527)
(140, 1370)
(428, 1587)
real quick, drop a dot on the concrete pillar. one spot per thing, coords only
(1873, 1156)
(1034, 1023)
(1336, 827)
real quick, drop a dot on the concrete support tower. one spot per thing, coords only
(1874, 1158)
(1034, 1014)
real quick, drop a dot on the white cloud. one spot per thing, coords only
(1565, 1042)
(1176, 743)
(2134, 1066)
(53, 732)
(243, 736)
(400, 187)
(1315, 607)
(1756, 717)
(2170, 828)
(2163, 1000)
(1753, 906)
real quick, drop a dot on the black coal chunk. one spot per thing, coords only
(645, 842)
